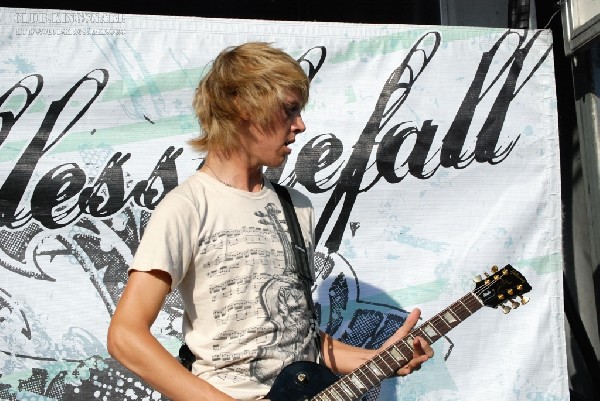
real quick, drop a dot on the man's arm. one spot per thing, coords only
(133, 345)
(343, 358)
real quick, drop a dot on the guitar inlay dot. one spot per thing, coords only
(449, 317)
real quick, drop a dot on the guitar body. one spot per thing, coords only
(300, 381)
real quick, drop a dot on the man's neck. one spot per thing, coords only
(233, 172)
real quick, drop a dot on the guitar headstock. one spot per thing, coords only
(502, 287)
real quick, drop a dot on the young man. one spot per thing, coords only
(220, 238)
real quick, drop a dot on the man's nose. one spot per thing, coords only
(298, 125)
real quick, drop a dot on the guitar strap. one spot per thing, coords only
(300, 253)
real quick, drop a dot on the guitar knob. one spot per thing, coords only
(524, 299)
(506, 309)
(301, 377)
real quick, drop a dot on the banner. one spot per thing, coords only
(431, 154)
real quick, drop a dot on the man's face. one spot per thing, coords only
(269, 146)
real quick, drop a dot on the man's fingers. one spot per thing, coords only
(412, 319)
(422, 347)
(422, 351)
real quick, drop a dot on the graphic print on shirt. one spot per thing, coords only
(258, 302)
(286, 308)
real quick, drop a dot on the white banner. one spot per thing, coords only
(431, 153)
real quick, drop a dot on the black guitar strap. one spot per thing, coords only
(300, 252)
(298, 244)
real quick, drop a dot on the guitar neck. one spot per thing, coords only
(354, 385)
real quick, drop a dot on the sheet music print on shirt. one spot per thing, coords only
(239, 293)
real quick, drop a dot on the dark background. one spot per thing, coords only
(371, 11)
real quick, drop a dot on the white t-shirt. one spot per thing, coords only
(229, 253)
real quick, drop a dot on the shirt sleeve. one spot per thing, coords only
(170, 240)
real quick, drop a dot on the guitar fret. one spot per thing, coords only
(335, 394)
(431, 332)
(352, 386)
(458, 311)
(357, 383)
(447, 318)
(346, 389)
(375, 369)
(418, 332)
(468, 311)
(408, 340)
(366, 376)
(396, 353)
(349, 388)
(441, 327)
(383, 357)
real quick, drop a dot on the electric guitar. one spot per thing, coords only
(309, 381)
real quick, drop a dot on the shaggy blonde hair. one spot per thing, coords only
(249, 81)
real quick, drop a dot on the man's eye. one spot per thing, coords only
(291, 109)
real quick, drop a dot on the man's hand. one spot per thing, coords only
(422, 350)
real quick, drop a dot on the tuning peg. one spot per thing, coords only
(505, 309)
(514, 304)
(524, 299)
(477, 278)
(494, 268)
(487, 275)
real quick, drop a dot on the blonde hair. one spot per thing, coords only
(249, 81)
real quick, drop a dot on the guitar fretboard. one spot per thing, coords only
(354, 385)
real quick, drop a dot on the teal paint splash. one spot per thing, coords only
(113, 136)
(22, 66)
(402, 236)
(547, 264)
(161, 83)
(365, 49)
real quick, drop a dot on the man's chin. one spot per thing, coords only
(276, 164)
